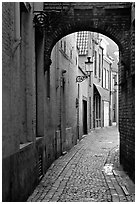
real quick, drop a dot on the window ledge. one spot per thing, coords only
(25, 145)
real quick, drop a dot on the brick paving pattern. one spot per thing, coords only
(89, 172)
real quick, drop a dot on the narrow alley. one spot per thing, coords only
(89, 172)
(68, 101)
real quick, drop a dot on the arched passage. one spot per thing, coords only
(116, 21)
(112, 20)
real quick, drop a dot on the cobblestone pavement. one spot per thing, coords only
(89, 172)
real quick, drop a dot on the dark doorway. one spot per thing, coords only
(84, 117)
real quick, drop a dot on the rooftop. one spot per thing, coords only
(82, 42)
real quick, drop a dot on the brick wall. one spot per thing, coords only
(127, 110)
(21, 148)
(10, 80)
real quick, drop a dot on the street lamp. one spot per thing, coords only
(88, 66)
(88, 69)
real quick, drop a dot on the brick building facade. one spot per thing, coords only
(22, 146)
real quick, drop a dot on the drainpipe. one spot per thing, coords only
(78, 113)
(102, 102)
(17, 21)
(117, 101)
(17, 34)
(61, 113)
(110, 93)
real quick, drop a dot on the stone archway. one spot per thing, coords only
(110, 19)
(114, 20)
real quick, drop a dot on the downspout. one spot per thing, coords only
(78, 113)
(62, 81)
(60, 115)
(17, 39)
(110, 93)
(102, 102)
(57, 96)
(117, 99)
(60, 95)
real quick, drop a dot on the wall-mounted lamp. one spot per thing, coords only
(48, 17)
(40, 19)
(88, 69)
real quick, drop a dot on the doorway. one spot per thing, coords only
(84, 117)
(106, 113)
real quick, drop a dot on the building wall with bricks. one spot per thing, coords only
(127, 105)
(10, 143)
(22, 149)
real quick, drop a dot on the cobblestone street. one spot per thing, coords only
(89, 172)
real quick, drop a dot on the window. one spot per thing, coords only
(96, 107)
(107, 79)
(104, 78)
(98, 110)
(76, 61)
(95, 65)
(65, 49)
(61, 44)
(90, 112)
(90, 78)
(70, 54)
(99, 65)
(114, 81)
